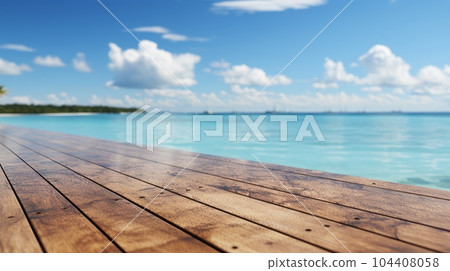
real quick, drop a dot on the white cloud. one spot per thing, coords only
(139, 69)
(110, 84)
(21, 99)
(174, 37)
(266, 5)
(372, 89)
(398, 91)
(246, 91)
(432, 75)
(136, 102)
(178, 100)
(385, 69)
(220, 64)
(50, 61)
(114, 102)
(80, 64)
(335, 72)
(11, 68)
(16, 47)
(447, 69)
(325, 85)
(179, 37)
(95, 100)
(61, 98)
(167, 34)
(244, 75)
(168, 92)
(211, 99)
(152, 29)
(171, 97)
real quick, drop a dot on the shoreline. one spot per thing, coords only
(51, 114)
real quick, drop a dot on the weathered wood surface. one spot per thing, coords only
(215, 204)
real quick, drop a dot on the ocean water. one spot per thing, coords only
(404, 148)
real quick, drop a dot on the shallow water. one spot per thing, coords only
(404, 148)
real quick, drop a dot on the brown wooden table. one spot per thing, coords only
(66, 193)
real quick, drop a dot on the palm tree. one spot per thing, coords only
(3, 91)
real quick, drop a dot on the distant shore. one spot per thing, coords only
(49, 114)
(67, 110)
(14, 109)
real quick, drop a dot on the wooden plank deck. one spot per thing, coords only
(65, 193)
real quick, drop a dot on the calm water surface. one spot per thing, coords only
(404, 148)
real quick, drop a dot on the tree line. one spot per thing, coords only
(37, 109)
(40, 109)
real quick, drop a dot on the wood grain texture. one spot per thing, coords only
(210, 191)
(220, 228)
(421, 209)
(59, 225)
(386, 225)
(16, 234)
(111, 212)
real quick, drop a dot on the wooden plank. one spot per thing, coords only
(111, 212)
(274, 197)
(131, 150)
(418, 190)
(59, 225)
(410, 207)
(16, 234)
(225, 231)
(410, 232)
(202, 189)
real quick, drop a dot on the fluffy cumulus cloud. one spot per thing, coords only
(11, 68)
(384, 69)
(8, 99)
(16, 47)
(151, 67)
(57, 99)
(168, 99)
(266, 5)
(21, 99)
(237, 98)
(335, 71)
(50, 61)
(61, 98)
(171, 97)
(247, 76)
(96, 100)
(80, 63)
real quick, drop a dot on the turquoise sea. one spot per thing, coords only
(405, 148)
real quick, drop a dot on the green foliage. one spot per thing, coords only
(39, 109)
(3, 91)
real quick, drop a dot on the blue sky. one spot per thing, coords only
(378, 55)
